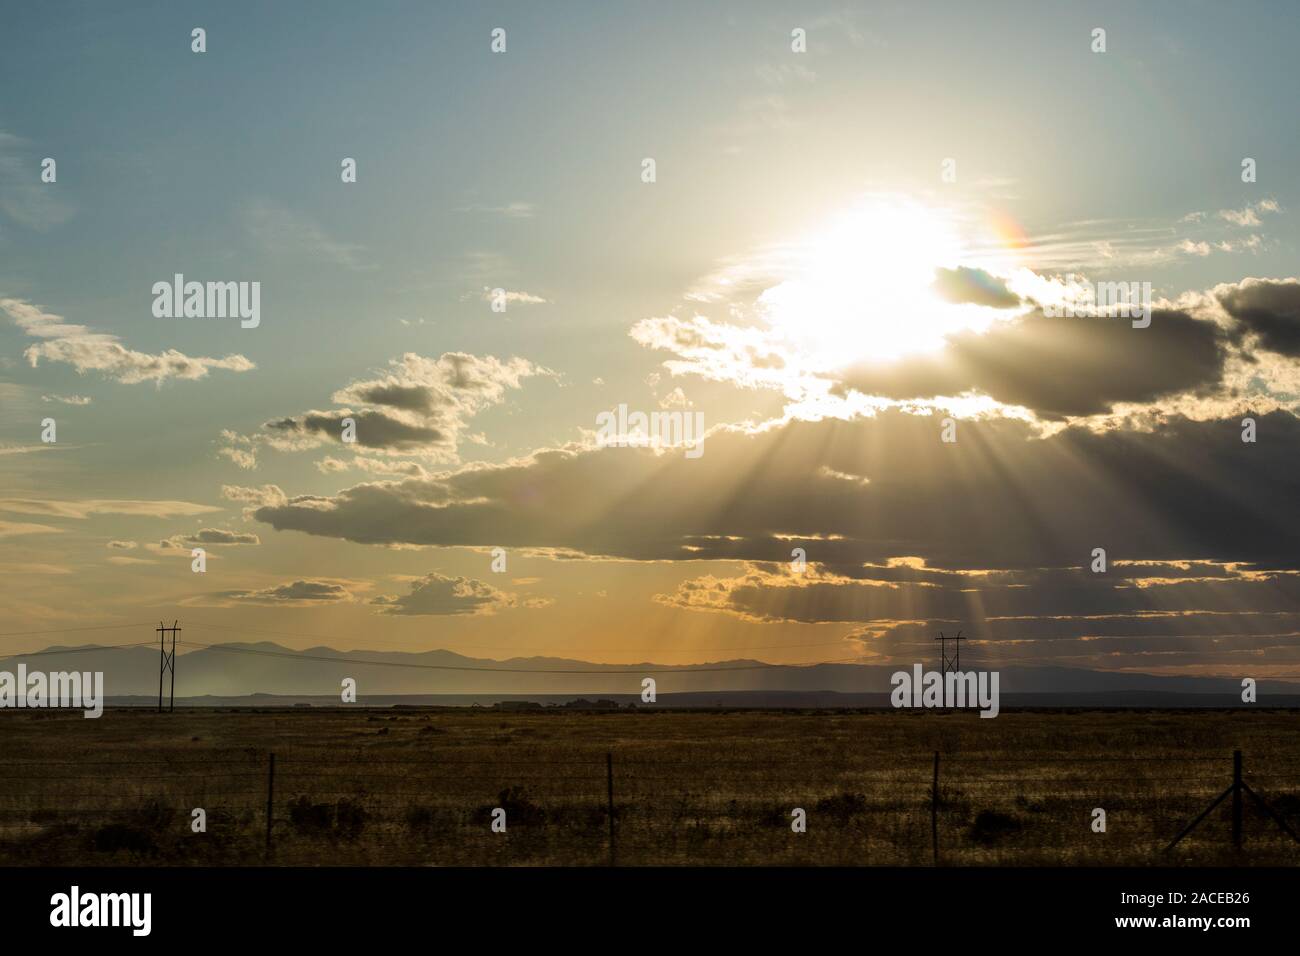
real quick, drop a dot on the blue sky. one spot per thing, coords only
(782, 179)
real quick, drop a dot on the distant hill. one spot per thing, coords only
(231, 671)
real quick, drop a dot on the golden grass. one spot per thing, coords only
(418, 787)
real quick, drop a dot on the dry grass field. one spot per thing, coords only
(418, 787)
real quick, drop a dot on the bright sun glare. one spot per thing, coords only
(862, 288)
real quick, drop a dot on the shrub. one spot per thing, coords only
(841, 807)
(990, 827)
(118, 836)
(520, 809)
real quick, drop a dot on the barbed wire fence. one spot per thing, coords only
(304, 806)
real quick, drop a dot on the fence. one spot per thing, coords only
(310, 806)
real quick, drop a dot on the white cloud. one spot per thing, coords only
(1249, 215)
(86, 350)
(519, 298)
(1194, 248)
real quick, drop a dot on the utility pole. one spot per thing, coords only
(167, 662)
(947, 663)
(609, 777)
(1239, 786)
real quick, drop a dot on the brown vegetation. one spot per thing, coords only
(689, 787)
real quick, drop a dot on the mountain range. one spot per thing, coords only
(237, 670)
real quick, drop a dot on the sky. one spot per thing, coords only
(835, 235)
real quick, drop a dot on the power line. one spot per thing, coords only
(79, 650)
(69, 630)
(681, 669)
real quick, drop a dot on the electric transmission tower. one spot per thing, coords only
(167, 662)
(947, 663)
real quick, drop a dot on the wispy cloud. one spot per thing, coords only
(518, 297)
(11, 528)
(87, 350)
(103, 506)
(23, 197)
(278, 231)
(511, 210)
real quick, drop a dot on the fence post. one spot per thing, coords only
(1236, 799)
(934, 810)
(270, 800)
(609, 779)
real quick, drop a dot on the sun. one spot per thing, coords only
(861, 287)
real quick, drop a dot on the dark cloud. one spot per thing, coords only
(221, 536)
(974, 286)
(418, 406)
(375, 429)
(413, 398)
(1269, 308)
(1071, 616)
(1068, 594)
(1059, 367)
(295, 592)
(437, 594)
(999, 497)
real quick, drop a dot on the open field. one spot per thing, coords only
(414, 786)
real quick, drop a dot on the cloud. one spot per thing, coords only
(974, 286)
(437, 594)
(23, 197)
(66, 399)
(266, 495)
(243, 457)
(1249, 216)
(1002, 496)
(675, 399)
(519, 298)
(719, 351)
(82, 509)
(377, 466)
(28, 449)
(122, 545)
(511, 210)
(374, 429)
(280, 232)
(1209, 611)
(1058, 367)
(11, 528)
(1266, 308)
(417, 406)
(294, 594)
(44, 570)
(85, 350)
(217, 536)
(782, 74)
